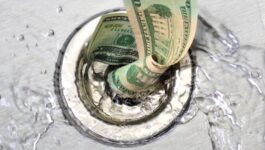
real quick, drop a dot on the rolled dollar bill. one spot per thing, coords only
(155, 35)
(113, 41)
(136, 77)
(164, 31)
(165, 28)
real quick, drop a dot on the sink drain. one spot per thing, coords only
(88, 104)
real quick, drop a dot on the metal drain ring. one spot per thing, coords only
(61, 75)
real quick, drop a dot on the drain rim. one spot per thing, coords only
(75, 121)
(80, 82)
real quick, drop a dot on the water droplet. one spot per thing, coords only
(255, 74)
(27, 26)
(36, 45)
(21, 37)
(51, 33)
(43, 72)
(59, 9)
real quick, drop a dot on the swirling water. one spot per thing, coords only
(229, 90)
(228, 85)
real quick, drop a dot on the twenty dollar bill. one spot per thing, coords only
(164, 31)
(161, 31)
(113, 41)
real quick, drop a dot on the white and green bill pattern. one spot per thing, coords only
(162, 31)
(113, 41)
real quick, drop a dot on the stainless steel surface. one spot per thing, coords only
(85, 101)
(229, 88)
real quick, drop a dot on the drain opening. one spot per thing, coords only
(89, 104)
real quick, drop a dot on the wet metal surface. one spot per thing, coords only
(227, 111)
(85, 100)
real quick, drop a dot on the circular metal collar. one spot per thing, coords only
(109, 122)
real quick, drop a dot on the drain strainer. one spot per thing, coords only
(86, 102)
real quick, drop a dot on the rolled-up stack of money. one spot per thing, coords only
(145, 41)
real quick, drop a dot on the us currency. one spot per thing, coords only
(113, 41)
(164, 31)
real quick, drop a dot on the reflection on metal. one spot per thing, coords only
(85, 100)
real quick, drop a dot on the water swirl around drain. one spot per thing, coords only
(89, 104)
